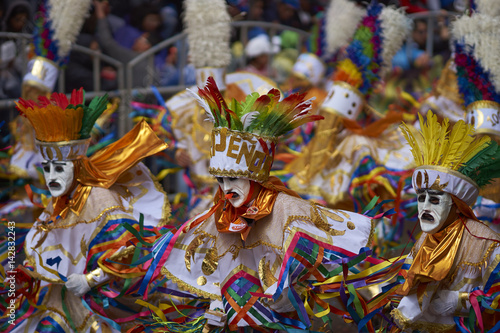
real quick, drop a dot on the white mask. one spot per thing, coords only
(238, 186)
(433, 209)
(58, 176)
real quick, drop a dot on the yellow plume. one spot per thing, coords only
(472, 149)
(456, 140)
(435, 145)
(414, 142)
(442, 140)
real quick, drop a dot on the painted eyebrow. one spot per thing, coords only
(434, 192)
(59, 163)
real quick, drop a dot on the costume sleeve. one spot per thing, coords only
(479, 308)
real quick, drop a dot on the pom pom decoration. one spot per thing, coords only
(477, 57)
(378, 37)
(342, 18)
(208, 28)
(57, 25)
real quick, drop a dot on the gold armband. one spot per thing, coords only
(93, 276)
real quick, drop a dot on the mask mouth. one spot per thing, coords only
(55, 186)
(232, 195)
(427, 217)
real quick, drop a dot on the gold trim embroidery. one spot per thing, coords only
(405, 323)
(187, 287)
(259, 177)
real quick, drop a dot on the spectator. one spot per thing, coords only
(79, 71)
(143, 19)
(285, 12)
(413, 55)
(112, 48)
(257, 51)
(17, 17)
(169, 71)
(414, 6)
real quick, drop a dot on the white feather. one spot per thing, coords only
(248, 118)
(203, 104)
(342, 18)
(481, 32)
(396, 27)
(208, 28)
(488, 7)
(67, 17)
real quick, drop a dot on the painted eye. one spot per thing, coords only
(232, 179)
(421, 198)
(219, 180)
(46, 168)
(59, 168)
(435, 200)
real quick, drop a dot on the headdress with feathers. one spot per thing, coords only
(256, 124)
(334, 30)
(376, 40)
(477, 50)
(57, 25)
(452, 160)
(61, 122)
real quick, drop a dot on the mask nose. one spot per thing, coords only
(427, 203)
(226, 185)
(52, 171)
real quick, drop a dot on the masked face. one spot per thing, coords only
(58, 176)
(239, 188)
(433, 209)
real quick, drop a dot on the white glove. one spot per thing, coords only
(77, 284)
(215, 315)
(445, 304)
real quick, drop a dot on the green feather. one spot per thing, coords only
(91, 113)
(484, 166)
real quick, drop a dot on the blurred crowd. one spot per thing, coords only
(123, 29)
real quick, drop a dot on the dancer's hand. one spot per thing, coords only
(77, 284)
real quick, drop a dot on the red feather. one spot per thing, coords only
(77, 97)
(264, 146)
(43, 101)
(60, 100)
(214, 91)
(261, 102)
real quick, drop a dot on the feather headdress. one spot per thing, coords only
(57, 25)
(342, 18)
(245, 134)
(487, 7)
(59, 122)
(477, 58)
(452, 160)
(378, 37)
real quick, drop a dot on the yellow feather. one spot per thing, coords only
(432, 145)
(456, 139)
(413, 142)
(472, 149)
(424, 130)
(442, 141)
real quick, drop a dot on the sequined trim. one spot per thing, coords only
(58, 226)
(372, 233)
(239, 174)
(405, 323)
(187, 287)
(475, 266)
